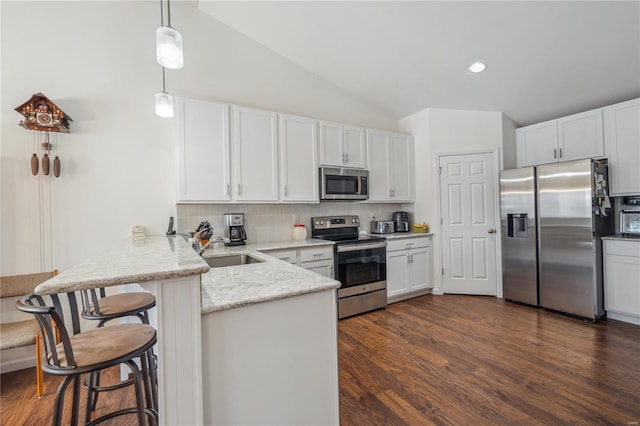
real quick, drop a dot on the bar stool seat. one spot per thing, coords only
(112, 345)
(122, 303)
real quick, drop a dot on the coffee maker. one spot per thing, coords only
(234, 229)
(400, 222)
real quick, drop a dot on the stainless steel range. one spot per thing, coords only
(359, 264)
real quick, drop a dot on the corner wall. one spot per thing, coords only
(440, 131)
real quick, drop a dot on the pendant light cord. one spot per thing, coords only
(164, 90)
(169, 13)
(161, 15)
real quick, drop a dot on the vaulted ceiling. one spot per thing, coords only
(544, 59)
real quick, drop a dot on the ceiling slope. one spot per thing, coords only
(544, 59)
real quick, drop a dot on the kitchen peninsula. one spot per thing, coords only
(252, 343)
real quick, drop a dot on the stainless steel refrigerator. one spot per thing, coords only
(562, 231)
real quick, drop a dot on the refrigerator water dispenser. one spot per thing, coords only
(517, 225)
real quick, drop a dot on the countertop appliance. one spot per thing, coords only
(359, 264)
(343, 184)
(630, 222)
(401, 222)
(382, 226)
(564, 206)
(234, 229)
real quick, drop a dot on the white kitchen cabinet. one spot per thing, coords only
(316, 259)
(537, 144)
(255, 162)
(408, 268)
(581, 136)
(568, 138)
(622, 280)
(298, 159)
(622, 146)
(391, 166)
(203, 151)
(342, 145)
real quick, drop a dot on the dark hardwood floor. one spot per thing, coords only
(480, 360)
(450, 360)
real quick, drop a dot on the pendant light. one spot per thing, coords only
(164, 101)
(168, 42)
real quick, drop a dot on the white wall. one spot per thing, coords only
(96, 61)
(439, 131)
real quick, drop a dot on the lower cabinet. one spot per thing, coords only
(621, 283)
(315, 259)
(408, 267)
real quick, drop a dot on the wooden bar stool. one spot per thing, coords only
(97, 306)
(90, 352)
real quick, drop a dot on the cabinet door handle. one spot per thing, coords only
(228, 189)
(285, 190)
(239, 189)
(555, 153)
(346, 157)
(560, 152)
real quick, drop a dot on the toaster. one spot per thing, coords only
(381, 226)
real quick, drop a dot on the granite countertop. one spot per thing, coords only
(399, 235)
(620, 237)
(154, 258)
(236, 286)
(220, 248)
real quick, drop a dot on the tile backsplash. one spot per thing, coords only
(271, 222)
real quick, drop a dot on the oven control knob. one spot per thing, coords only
(322, 222)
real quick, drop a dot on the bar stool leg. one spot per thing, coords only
(59, 401)
(139, 398)
(75, 407)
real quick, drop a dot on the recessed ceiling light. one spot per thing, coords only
(476, 67)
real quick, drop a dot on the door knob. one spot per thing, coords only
(492, 231)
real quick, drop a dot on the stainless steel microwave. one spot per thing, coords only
(630, 222)
(338, 183)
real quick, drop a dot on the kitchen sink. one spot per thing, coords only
(231, 260)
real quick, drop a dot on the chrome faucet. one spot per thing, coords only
(199, 248)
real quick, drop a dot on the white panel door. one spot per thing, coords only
(581, 136)
(331, 144)
(256, 154)
(298, 159)
(203, 151)
(467, 203)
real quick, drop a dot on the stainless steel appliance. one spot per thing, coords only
(630, 222)
(234, 229)
(381, 227)
(571, 216)
(343, 184)
(401, 222)
(359, 264)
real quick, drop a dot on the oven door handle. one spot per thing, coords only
(356, 247)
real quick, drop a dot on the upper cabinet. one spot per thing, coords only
(255, 164)
(569, 138)
(391, 167)
(298, 159)
(342, 145)
(203, 151)
(622, 146)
